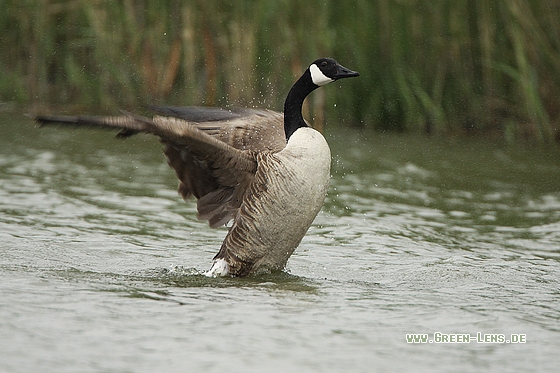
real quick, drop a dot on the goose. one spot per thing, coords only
(263, 172)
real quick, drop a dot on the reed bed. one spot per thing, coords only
(442, 67)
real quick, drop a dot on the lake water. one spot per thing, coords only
(100, 262)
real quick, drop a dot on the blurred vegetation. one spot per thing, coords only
(440, 66)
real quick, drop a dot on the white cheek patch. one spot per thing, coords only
(318, 77)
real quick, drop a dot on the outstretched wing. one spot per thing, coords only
(216, 173)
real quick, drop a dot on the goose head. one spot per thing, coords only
(326, 70)
(321, 72)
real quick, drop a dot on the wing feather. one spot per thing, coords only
(244, 129)
(211, 170)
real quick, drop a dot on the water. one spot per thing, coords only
(100, 262)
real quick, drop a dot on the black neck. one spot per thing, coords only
(293, 119)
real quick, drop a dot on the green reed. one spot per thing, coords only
(442, 66)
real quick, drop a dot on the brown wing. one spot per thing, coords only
(216, 173)
(219, 194)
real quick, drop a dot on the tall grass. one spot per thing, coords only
(442, 66)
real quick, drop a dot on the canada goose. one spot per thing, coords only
(266, 171)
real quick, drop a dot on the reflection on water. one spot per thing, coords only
(101, 261)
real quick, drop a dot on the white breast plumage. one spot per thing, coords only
(308, 150)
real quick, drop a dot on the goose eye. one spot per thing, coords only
(324, 64)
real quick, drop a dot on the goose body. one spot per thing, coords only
(266, 172)
(291, 186)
